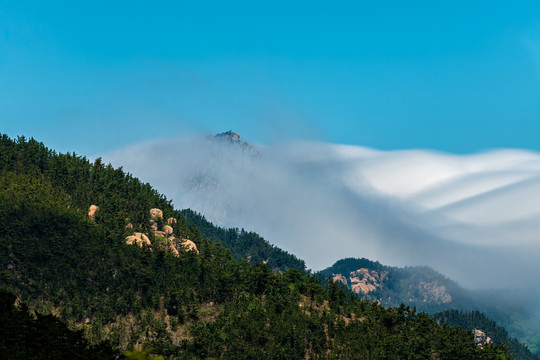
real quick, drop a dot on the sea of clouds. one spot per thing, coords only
(475, 218)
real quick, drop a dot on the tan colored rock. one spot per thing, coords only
(340, 278)
(189, 245)
(138, 238)
(359, 287)
(171, 221)
(365, 281)
(174, 250)
(156, 213)
(92, 212)
(160, 233)
(153, 225)
(129, 226)
(480, 338)
(168, 229)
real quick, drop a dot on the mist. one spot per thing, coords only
(474, 218)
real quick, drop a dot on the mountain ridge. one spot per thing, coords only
(206, 304)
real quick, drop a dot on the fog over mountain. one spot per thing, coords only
(472, 217)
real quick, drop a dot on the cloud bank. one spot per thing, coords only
(472, 217)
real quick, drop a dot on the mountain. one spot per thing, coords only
(108, 255)
(324, 201)
(418, 286)
(430, 291)
(234, 138)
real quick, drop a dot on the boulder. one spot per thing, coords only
(189, 245)
(156, 213)
(168, 229)
(171, 221)
(174, 251)
(138, 238)
(92, 212)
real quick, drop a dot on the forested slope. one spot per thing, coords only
(244, 244)
(429, 291)
(479, 321)
(190, 304)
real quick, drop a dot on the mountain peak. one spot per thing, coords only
(234, 138)
(230, 136)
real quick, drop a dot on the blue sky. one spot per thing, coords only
(460, 76)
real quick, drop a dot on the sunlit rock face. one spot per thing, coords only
(480, 338)
(364, 281)
(138, 238)
(92, 212)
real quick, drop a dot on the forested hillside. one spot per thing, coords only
(428, 291)
(245, 245)
(183, 302)
(26, 335)
(477, 320)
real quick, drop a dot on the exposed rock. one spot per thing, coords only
(434, 292)
(171, 221)
(92, 212)
(174, 250)
(153, 225)
(189, 245)
(229, 135)
(340, 278)
(480, 338)
(138, 238)
(365, 281)
(156, 213)
(160, 233)
(234, 138)
(168, 229)
(129, 226)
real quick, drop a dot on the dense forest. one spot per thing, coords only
(24, 335)
(428, 291)
(477, 320)
(194, 303)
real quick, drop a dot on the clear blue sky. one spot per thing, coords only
(457, 76)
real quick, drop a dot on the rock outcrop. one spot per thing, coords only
(189, 245)
(433, 292)
(92, 212)
(168, 230)
(365, 281)
(480, 338)
(340, 278)
(165, 236)
(138, 238)
(234, 138)
(156, 213)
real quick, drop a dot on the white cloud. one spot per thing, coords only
(472, 217)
